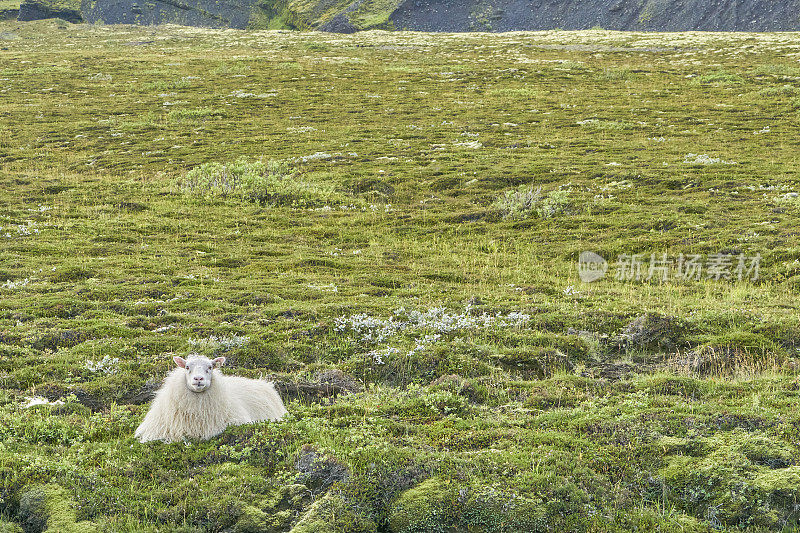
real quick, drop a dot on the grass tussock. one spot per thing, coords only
(272, 182)
(529, 202)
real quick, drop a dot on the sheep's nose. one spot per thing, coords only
(198, 379)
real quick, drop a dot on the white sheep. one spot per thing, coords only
(197, 401)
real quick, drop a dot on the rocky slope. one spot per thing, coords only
(68, 10)
(205, 13)
(442, 15)
(661, 15)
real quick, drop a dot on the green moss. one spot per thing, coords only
(289, 497)
(720, 77)
(740, 340)
(51, 509)
(436, 505)
(683, 446)
(673, 385)
(729, 476)
(69, 274)
(189, 115)
(430, 506)
(253, 520)
(537, 361)
(652, 12)
(271, 15)
(9, 527)
(331, 514)
(312, 13)
(373, 13)
(784, 482)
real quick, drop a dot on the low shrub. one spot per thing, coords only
(271, 182)
(530, 202)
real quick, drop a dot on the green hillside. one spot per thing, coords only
(389, 225)
(308, 14)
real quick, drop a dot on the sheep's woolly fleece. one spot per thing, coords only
(181, 411)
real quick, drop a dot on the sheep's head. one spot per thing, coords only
(199, 371)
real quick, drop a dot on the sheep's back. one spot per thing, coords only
(259, 398)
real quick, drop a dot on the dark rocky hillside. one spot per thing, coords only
(205, 13)
(437, 15)
(659, 15)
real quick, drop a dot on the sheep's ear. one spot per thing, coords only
(219, 361)
(180, 361)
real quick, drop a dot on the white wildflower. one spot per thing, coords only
(107, 365)
(470, 144)
(326, 288)
(436, 320)
(15, 284)
(705, 159)
(37, 400)
(220, 343)
(314, 157)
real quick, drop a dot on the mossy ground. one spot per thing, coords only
(564, 410)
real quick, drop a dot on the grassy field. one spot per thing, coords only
(398, 217)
